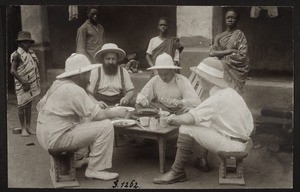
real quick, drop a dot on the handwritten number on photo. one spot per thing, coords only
(125, 184)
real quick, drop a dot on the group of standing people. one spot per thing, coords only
(75, 112)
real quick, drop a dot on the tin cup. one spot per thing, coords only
(153, 123)
(144, 121)
(163, 120)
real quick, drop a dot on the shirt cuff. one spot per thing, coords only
(184, 103)
(194, 114)
(140, 97)
(95, 112)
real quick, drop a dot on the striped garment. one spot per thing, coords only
(236, 65)
(28, 71)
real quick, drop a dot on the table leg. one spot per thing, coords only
(162, 153)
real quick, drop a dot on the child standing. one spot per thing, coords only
(25, 71)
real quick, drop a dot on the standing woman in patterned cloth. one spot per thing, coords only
(24, 68)
(231, 47)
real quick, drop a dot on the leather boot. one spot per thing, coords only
(170, 177)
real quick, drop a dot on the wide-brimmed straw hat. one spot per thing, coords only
(24, 36)
(212, 70)
(111, 47)
(164, 61)
(76, 64)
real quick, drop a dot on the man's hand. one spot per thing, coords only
(173, 120)
(171, 103)
(124, 101)
(144, 102)
(102, 104)
(176, 103)
(26, 87)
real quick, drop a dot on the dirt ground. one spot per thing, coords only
(28, 165)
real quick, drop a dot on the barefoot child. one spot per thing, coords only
(24, 68)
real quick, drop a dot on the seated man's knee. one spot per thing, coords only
(105, 126)
(183, 129)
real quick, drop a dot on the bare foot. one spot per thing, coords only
(31, 131)
(25, 133)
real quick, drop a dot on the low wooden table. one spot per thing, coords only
(161, 135)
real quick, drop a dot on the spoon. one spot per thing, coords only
(142, 127)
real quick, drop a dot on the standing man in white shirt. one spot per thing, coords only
(163, 44)
(222, 122)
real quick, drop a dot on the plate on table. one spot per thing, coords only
(123, 122)
(122, 107)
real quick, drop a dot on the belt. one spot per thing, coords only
(238, 139)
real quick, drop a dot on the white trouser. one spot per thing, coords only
(212, 139)
(99, 135)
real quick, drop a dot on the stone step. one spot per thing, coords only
(261, 92)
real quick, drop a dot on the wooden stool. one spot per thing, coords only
(231, 168)
(62, 170)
